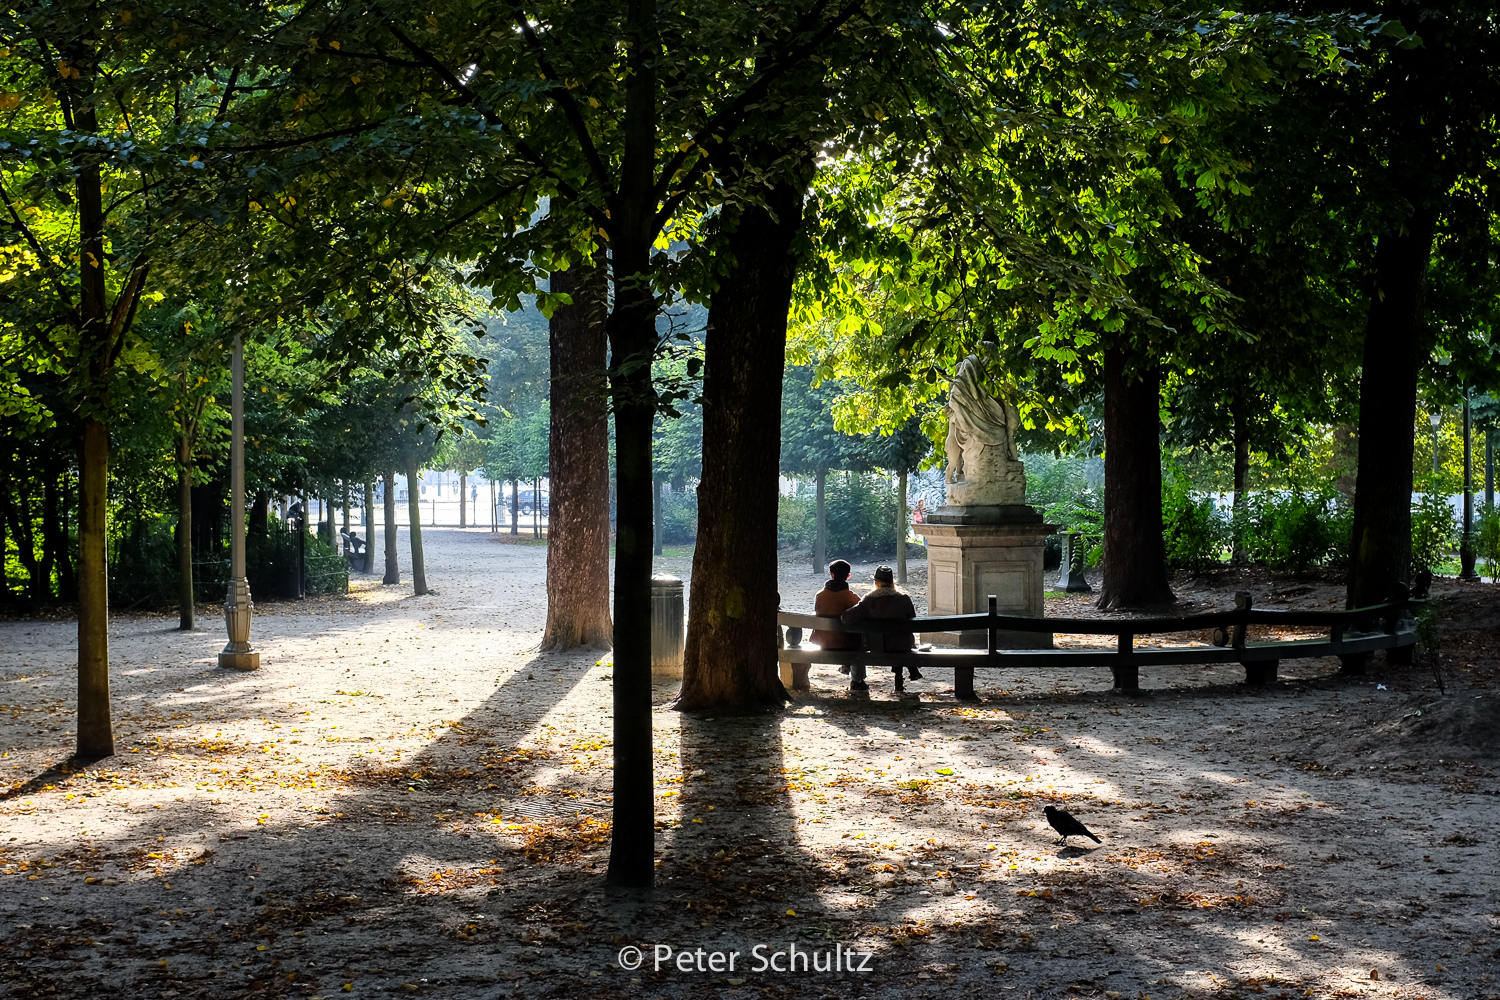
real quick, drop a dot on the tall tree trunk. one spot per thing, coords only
(96, 737)
(369, 520)
(346, 508)
(1135, 559)
(730, 657)
(578, 464)
(515, 506)
(901, 529)
(463, 498)
(536, 507)
(185, 611)
(414, 513)
(820, 528)
(392, 553)
(95, 349)
(1380, 556)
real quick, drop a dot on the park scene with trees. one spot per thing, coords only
(434, 436)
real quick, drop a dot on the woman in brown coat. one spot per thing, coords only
(832, 601)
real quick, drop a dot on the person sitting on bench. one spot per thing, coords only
(833, 600)
(354, 550)
(885, 601)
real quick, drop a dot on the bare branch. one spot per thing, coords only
(563, 97)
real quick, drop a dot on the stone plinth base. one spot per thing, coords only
(978, 551)
(239, 661)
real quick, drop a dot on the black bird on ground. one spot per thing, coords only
(1063, 822)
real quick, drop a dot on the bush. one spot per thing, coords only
(1296, 528)
(1487, 539)
(271, 562)
(143, 566)
(1434, 531)
(679, 517)
(1193, 530)
(861, 512)
(861, 515)
(796, 520)
(1060, 488)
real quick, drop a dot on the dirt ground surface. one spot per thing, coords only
(408, 799)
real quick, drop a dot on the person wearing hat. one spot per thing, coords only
(885, 601)
(833, 600)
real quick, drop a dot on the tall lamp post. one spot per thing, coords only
(1466, 552)
(238, 655)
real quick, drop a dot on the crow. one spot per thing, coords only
(1063, 822)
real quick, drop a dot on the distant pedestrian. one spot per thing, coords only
(886, 601)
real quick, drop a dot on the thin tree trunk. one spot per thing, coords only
(18, 513)
(51, 529)
(632, 337)
(67, 574)
(414, 512)
(1489, 469)
(185, 611)
(1135, 559)
(96, 737)
(820, 537)
(536, 507)
(730, 657)
(1380, 555)
(96, 349)
(392, 553)
(901, 528)
(369, 520)
(346, 508)
(656, 515)
(515, 506)
(5, 593)
(578, 464)
(1241, 471)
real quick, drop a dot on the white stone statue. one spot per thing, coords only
(983, 467)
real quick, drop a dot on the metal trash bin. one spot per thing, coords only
(666, 626)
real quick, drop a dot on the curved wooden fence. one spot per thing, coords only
(1352, 635)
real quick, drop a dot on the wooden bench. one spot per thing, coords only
(1352, 635)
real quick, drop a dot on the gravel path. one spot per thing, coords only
(407, 799)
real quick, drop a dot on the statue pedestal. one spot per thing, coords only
(976, 551)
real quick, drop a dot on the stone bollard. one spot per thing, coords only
(666, 626)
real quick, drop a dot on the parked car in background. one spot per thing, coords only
(528, 502)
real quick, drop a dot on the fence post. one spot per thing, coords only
(1261, 672)
(963, 677)
(1127, 675)
(1398, 656)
